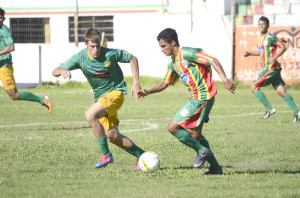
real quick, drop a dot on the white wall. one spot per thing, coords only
(135, 33)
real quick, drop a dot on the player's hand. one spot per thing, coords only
(142, 93)
(65, 74)
(230, 86)
(134, 90)
(246, 54)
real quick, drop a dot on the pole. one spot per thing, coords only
(40, 65)
(76, 25)
(233, 7)
(192, 16)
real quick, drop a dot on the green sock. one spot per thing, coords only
(211, 160)
(289, 100)
(262, 98)
(30, 97)
(135, 151)
(185, 137)
(102, 142)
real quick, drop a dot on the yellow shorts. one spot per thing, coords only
(111, 102)
(7, 77)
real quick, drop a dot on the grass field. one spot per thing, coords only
(43, 155)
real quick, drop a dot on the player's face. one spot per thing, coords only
(93, 48)
(166, 48)
(263, 27)
(2, 18)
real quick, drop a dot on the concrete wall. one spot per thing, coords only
(136, 32)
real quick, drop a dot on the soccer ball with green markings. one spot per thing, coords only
(149, 161)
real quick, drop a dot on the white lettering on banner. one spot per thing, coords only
(247, 75)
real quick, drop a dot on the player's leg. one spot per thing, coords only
(115, 137)
(185, 137)
(263, 79)
(9, 83)
(92, 116)
(280, 89)
(191, 116)
(215, 167)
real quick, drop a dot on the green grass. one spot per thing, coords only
(43, 155)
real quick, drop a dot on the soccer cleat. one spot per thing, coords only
(199, 161)
(104, 160)
(297, 117)
(269, 113)
(214, 171)
(47, 104)
(137, 166)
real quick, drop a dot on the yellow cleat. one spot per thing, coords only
(47, 104)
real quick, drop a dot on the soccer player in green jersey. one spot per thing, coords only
(7, 71)
(267, 50)
(100, 67)
(193, 66)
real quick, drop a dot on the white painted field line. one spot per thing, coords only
(133, 120)
(148, 126)
(39, 124)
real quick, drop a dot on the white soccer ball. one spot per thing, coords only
(149, 161)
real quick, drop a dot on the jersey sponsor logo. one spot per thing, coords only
(184, 77)
(260, 50)
(101, 74)
(202, 60)
(8, 82)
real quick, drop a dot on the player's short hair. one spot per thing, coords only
(92, 35)
(168, 35)
(265, 19)
(2, 12)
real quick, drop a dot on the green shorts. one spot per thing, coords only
(267, 77)
(194, 113)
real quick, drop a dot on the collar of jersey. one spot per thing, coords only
(177, 57)
(97, 56)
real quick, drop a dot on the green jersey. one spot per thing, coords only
(103, 73)
(6, 39)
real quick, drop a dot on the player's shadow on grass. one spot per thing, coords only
(176, 168)
(61, 128)
(265, 172)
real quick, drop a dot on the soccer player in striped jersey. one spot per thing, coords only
(267, 50)
(7, 70)
(193, 66)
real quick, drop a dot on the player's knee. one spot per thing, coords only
(254, 89)
(112, 136)
(14, 96)
(173, 127)
(89, 117)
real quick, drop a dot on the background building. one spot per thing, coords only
(45, 31)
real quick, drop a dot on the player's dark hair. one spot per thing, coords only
(2, 12)
(168, 35)
(92, 35)
(265, 19)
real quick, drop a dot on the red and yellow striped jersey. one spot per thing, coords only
(267, 47)
(193, 66)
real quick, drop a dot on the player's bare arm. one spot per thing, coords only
(135, 75)
(58, 71)
(157, 88)
(6, 50)
(273, 59)
(229, 85)
(253, 53)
